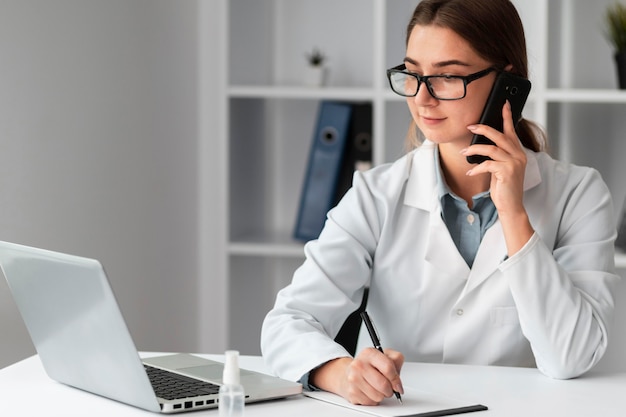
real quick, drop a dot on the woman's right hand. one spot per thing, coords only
(366, 380)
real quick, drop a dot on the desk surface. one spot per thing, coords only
(26, 390)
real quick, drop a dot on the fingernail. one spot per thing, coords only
(463, 151)
(398, 388)
(472, 127)
(469, 173)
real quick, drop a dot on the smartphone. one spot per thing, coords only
(509, 87)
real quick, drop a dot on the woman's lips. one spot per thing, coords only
(432, 121)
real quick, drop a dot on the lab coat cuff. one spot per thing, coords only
(508, 261)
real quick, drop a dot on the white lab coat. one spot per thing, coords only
(550, 305)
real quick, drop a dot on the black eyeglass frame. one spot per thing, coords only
(424, 79)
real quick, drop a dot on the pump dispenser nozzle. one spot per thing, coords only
(231, 368)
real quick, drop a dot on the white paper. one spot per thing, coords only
(414, 402)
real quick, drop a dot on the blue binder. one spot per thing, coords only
(324, 165)
(358, 149)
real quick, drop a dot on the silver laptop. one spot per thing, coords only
(80, 335)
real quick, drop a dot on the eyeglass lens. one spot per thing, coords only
(441, 87)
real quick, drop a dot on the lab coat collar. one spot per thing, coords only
(422, 180)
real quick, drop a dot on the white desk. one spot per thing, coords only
(25, 390)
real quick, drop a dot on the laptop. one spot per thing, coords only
(82, 339)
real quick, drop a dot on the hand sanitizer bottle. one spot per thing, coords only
(231, 396)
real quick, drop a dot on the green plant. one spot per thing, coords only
(616, 26)
(316, 58)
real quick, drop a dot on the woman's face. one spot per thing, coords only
(433, 50)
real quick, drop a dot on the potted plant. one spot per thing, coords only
(615, 19)
(316, 68)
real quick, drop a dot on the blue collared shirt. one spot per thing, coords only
(466, 226)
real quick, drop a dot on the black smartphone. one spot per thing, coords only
(506, 87)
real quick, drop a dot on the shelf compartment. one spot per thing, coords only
(596, 145)
(579, 55)
(271, 47)
(268, 163)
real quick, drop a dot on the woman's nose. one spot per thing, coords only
(423, 96)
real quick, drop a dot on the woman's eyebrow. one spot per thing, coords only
(441, 64)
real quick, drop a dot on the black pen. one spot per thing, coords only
(376, 341)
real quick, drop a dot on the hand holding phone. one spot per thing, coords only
(509, 87)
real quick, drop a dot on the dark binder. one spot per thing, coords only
(358, 152)
(325, 158)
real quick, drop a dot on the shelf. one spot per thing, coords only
(585, 96)
(275, 245)
(600, 96)
(297, 92)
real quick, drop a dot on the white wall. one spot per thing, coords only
(99, 134)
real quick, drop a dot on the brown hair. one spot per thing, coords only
(495, 31)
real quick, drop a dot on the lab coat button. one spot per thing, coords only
(459, 312)
(470, 219)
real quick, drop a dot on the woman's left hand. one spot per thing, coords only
(507, 168)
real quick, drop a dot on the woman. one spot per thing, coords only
(508, 262)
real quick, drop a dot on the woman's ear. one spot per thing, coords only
(508, 68)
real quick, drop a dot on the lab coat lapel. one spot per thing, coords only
(421, 193)
(491, 253)
(441, 251)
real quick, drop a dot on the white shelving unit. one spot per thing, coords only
(270, 116)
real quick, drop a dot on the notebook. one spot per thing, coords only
(82, 339)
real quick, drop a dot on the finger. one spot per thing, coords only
(501, 139)
(483, 150)
(362, 380)
(509, 129)
(487, 131)
(507, 119)
(503, 150)
(367, 378)
(398, 360)
(384, 375)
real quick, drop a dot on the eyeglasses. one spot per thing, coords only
(441, 87)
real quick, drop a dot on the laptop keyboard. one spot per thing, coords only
(171, 386)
